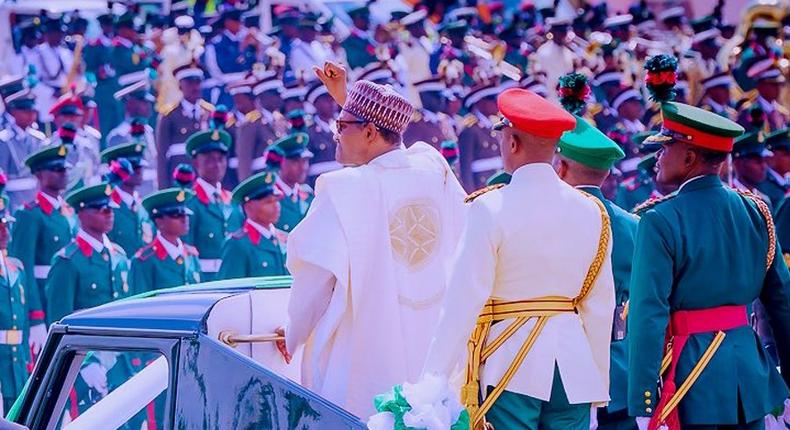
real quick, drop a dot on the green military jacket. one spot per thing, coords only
(774, 187)
(248, 253)
(635, 190)
(132, 229)
(294, 205)
(82, 278)
(153, 268)
(782, 220)
(706, 247)
(212, 222)
(623, 226)
(39, 232)
(14, 353)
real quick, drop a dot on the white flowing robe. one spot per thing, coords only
(370, 264)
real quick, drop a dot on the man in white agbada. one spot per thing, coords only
(369, 259)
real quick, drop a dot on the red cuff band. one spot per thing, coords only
(36, 315)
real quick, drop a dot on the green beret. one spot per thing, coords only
(208, 140)
(92, 196)
(586, 145)
(779, 139)
(52, 157)
(256, 187)
(169, 201)
(294, 145)
(131, 151)
(750, 145)
(500, 177)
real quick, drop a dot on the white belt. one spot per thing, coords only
(323, 167)
(233, 163)
(176, 149)
(132, 77)
(258, 163)
(10, 337)
(232, 77)
(21, 184)
(149, 174)
(486, 164)
(210, 265)
(41, 272)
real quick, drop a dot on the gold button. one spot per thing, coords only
(14, 358)
(648, 401)
(286, 227)
(112, 278)
(93, 286)
(434, 139)
(183, 130)
(494, 147)
(13, 348)
(322, 146)
(485, 144)
(13, 327)
(55, 238)
(13, 316)
(649, 410)
(115, 295)
(647, 393)
(265, 264)
(12, 299)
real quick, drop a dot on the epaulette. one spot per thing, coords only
(92, 132)
(650, 203)
(231, 120)
(765, 211)
(594, 109)
(783, 110)
(117, 248)
(631, 184)
(475, 194)
(416, 116)
(36, 133)
(68, 251)
(307, 188)
(31, 204)
(145, 252)
(253, 116)
(238, 234)
(469, 120)
(167, 109)
(278, 115)
(191, 250)
(5, 135)
(15, 262)
(208, 107)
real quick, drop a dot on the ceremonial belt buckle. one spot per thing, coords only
(10, 337)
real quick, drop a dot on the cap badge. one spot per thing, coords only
(299, 139)
(138, 148)
(180, 197)
(62, 151)
(215, 135)
(108, 190)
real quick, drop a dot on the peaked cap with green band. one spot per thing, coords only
(750, 145)
(92, 196)
(294, 145)
(48, 158)
(586, 145)
(131, 151)
(209, 140)
(256, 187)
(170, 201)
(697, 127)
(779, 139)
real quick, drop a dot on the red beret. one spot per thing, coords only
(533, 114)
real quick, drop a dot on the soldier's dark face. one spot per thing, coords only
(173, 225)
(96, 221)
(632, 110)
(264, 211)
(270, 100)
(244, 102)
(325, 107)
(294, 170)
(52, 180)
(780, 161)
(432, 101)
(211, 166)
(720, 94)
(138, 108)
(136, 178)
(190, 88)
(487, 106)
(769, 90)
(751, 170)
(24, 118)
(128, 33)
(672, 164)
(361, 21)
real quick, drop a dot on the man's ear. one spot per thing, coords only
(515, 142)
(691, 158)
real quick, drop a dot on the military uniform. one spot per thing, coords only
(679, 285)
(636, 190)
(722, 79)
(14, 326)
(43, 226)
(297, 197)
(129, 59)
(360, 47)
(214, 217)
(87, 272)
(132, 229)
(478, 144)
(253, 250)
(162, 264)
(83, 142)
(253, 136)
(322, 139)
(98, 68)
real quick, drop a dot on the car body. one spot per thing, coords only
(195, 380)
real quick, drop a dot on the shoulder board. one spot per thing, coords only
(253, 116)
(707, 107)
(167, 109)
(783, 110)
(307, 188)
(206, 105)
(651, 203)
(117, 248)
(31, 204)
(595, 109)
(92, 132)
(68, 250)
(5, 135)
(475, 194)
(145, 252)
(469, 120)
(15, 263)
(238, 234)
(191, 250)
(765, 211)
(36, 133)
(229, 123)
(278, 115)
(416, 116)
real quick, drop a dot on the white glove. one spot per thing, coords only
(96, 377)
(37, 337)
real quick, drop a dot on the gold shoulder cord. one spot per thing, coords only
(520, 312)
(769, 223)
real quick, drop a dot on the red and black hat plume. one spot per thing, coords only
(218, 118)
(274, 157)
(449, 151)
(661, 77)
(574, 91)
(120, 171)
(184, 175)
(137, 128)
(67, 132)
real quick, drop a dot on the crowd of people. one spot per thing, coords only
(165, 150)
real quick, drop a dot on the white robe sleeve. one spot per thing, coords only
(471, 283)
(311, 292)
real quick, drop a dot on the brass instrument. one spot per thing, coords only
(79, 43)
(492, 53)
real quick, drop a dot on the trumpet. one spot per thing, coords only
(79, 43)
(494, 54)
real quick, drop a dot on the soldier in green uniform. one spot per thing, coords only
(214, 216)
(748, 162)
(359, 45)
(14, 323)
(681, 284)
(167, 261)
(255, 250)
(132, 228)
(297, 195)
(775, 184)
(90, 270)
(43, 226)
(584, 159)
(477, 143)
(640, 187)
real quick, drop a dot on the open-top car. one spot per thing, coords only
(197, 357)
